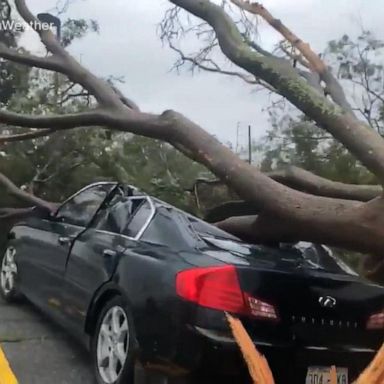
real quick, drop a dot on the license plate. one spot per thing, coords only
(322, 375)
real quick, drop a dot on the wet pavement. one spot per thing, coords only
(38, 351)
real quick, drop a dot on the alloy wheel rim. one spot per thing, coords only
(8, 271)
(112, 344)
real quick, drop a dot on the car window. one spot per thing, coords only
(138, 220)
(124, 215)
(167, 228)
(81, 208)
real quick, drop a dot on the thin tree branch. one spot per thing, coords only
(58, 172)
(125, 100)
(26, 136)
(295, 57)
(50, 63)
(215, 68)
(314, 61)
(73, 96)
(247, 78)
(91, 118)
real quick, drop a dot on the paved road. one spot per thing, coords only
(38, 351)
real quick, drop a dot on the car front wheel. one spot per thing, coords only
(9, 275)
(113, 344)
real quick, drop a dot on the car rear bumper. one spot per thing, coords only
(289, 363)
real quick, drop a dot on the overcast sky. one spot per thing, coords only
(128, 46)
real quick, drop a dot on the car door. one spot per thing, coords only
(54, 240)
(97, 250)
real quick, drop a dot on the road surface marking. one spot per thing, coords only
(6, 374)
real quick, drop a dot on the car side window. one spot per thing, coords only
(124, 215)
(80, 209)
(140, 217)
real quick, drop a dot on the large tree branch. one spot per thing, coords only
(71, 67)
(13, 190)
(362, 141)
(51, 63)
(313, 78)
(206, 149)
(269, 229)
(306, 181)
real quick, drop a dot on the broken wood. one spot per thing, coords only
(261, 373)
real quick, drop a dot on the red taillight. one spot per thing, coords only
(376, 321)
(219, 288)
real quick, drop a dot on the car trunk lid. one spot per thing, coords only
(316, 307)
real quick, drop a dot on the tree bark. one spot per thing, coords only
(298, 178)
(302, 180)
(359, 228)
(366, 144)
(285, 214)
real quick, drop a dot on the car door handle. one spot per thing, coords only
(64, 240)
(109, 253)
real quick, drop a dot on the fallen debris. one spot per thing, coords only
(261, 373)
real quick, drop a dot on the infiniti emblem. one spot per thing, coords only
(327, 301)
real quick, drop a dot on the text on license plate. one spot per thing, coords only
(321, 375)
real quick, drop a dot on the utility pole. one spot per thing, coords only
(249, 145)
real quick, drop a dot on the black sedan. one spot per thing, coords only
(138, 279)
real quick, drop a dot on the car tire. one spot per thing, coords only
(9, 277)
(113, 344)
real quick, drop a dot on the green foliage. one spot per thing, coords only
(301, 143)
(56, 166)
(359, 63)
(65, 162)
(74, 29)
(151, 165)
